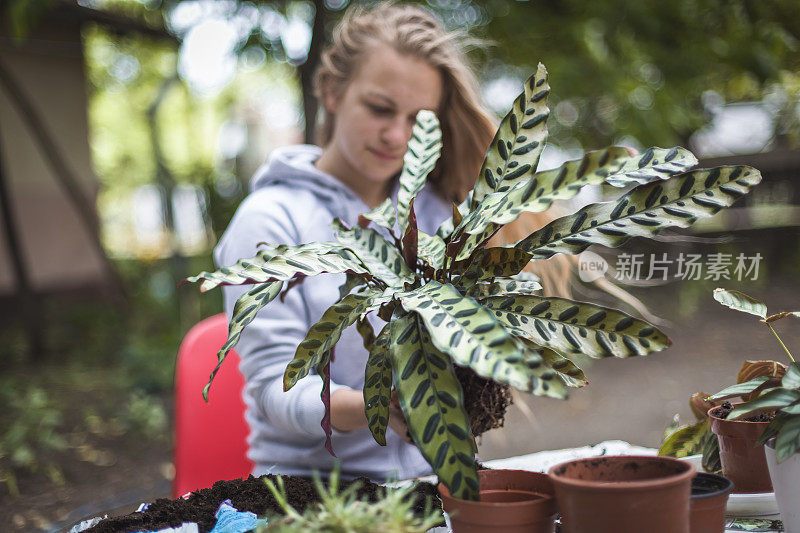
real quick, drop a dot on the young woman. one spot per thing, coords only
(383, 66)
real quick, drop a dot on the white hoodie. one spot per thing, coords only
(292, 202)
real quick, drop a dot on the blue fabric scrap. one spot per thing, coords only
(231, 520)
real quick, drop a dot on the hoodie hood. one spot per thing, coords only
(293, 166)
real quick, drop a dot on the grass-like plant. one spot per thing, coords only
(449, 299)
(342, 511)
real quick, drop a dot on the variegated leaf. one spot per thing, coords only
(791, 380)
(739, 301)
(572, 327)
(381, 258)
(446, 228)
(613, 164)
(421, 156)
(686, 441)
(644, 211)
(566, 369)
(514, 152)
(502, 286)
(324, 335)
(384, 215)
(787, 443)
(473, 337)
(431, 249)
(740, 388)
(491, 263)
(378, 384)
(244, 311)
(710, 450)
(303, 260)
(433, 405)
(773, 400)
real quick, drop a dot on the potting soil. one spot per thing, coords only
(250, 494)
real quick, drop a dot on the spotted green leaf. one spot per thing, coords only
(739, 301)
(431, 249)
(381, 258)
(538, 193)
(686, 441)
(244, 311)
(573, 327)
(447, 227)
(473, 337)
(502, 286)
(491, 263)
(283, 264)
(644, 211)
(433, 405)
(324, 334)
(378, 384)
(384, 215)
(421, 156)
(514, 152)
(567, 370)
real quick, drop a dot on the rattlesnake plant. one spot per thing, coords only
(449, 299)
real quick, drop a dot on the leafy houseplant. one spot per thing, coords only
(754, 380)
(449, 299)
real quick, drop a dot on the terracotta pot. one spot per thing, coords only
(743, 462)
(786, 480)
(623, 494)
(513, 501)
(707, 507)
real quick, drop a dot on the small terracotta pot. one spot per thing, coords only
(707, 507)
(786, 480)
(623, 494)
(743, 462)
(512, 501)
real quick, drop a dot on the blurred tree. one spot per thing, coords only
(641, 68)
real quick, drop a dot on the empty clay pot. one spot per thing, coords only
(512, 501)
(743, 462)
(623, 494)
(707, 507)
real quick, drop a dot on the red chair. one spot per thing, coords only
(210, 438)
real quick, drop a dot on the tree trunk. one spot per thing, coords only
(308, 68)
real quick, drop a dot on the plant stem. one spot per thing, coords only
(780, 341)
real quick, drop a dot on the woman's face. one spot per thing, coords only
(374, 117)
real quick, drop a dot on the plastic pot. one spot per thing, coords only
(623, 494)
(786, 480)
(513, 501)
(707, 507)
(743, 462)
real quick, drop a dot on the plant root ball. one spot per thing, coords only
(485, 400)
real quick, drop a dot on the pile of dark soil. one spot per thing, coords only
(486, 400)
(725, 409)
(249, 494)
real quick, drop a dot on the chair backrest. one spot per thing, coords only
(210, 438)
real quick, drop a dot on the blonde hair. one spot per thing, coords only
(467, 127)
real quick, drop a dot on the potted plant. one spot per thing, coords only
(778, 400)
(450, 301)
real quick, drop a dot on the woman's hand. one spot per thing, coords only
(347, 413)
